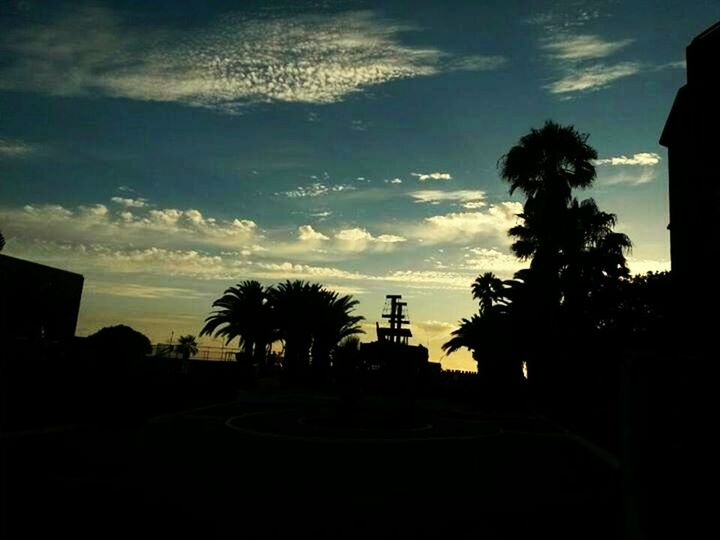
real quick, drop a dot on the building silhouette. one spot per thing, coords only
(692, 139)
(37, 302)
(391, 353)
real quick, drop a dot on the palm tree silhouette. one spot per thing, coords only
(488, 290)
(243, 312)
(310, 320)
(546, 165)
(575, 255)
(293, 306)
(334, 322)
(188, 346)
(471, 334)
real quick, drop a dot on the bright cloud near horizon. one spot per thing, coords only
(168, 156)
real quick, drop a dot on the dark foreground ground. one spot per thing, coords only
(283, 467)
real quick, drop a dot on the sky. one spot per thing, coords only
(168, 150)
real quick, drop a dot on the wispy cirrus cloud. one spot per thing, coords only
(580, 58)
(577, 58)
(644, 159)
(14, 148)
(636, 169)
(424, 177)
(592, 78)
(471, 197)
(239, 60)
(581, 47)
(139, 290)
(316, 189)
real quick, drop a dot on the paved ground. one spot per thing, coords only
(246, 470)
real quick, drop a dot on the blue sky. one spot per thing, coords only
(167, 150)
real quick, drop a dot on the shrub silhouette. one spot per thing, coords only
(120, 342)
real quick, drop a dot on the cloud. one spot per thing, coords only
(165, 226)
(135, 290)
(592, 78)
(466, 196)
(307, 234)
(175, 229)
(473, 205)
(482, 260)
(581, 47)
(633, 177)
(469, 226)
(105, 261)
(424, 177)
(430, 279)
(564, 15)
(575, 57)
(285, 270)
(358, 239)
(394, 181)
(636, 170)
(13, 148)
(316, 189)
(435, 327)
(238, 60)
(130, 203)
(643, 158)
(678, 64)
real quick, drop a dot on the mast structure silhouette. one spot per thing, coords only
(396, 313)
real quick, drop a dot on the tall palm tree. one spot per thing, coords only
(488, 290)
(471, 334)
(293, 305)
(311, 321)
(187, 345)
(334, 323)
(489, 338)
(546, 165)
(243, 312)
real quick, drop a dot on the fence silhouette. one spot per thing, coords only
(215, 354)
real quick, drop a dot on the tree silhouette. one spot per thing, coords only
(188, 346)
(573, 249)
(546, 165)
(488, 290)
(308, 319)
(577, 261)
(333, 323)
(120, 342)
(311, 319)
(293, 304)
(488, 333)
(2, 241)
(243, 312)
